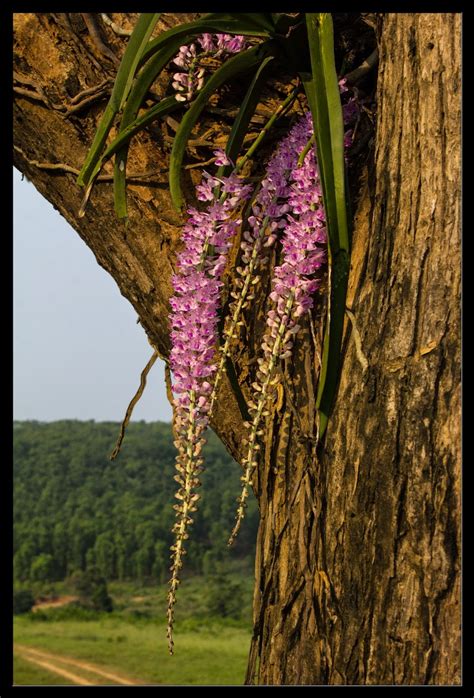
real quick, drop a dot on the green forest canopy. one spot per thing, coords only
(74, 509)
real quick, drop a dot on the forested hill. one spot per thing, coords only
(74, 508)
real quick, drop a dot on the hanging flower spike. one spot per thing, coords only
(295, 281)
(188, 83)
(207, 236)
(269, 212)
(191, 81)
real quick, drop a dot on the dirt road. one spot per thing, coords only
(55, 663)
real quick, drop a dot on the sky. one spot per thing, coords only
(78, 351)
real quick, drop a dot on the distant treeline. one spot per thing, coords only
(74, 509)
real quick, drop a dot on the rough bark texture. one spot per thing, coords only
(358, 578)
(357, 569)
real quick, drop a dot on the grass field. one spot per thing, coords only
(131, 642)
(212, 655)
(27, 674)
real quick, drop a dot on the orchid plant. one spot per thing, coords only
(190, 59)
(298, 210)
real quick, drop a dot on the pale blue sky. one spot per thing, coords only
(78, 352)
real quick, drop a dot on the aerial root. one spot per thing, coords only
(132, 404)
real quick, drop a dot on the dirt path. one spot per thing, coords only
(50, 662)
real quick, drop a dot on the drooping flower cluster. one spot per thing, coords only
(189, 58)
(268, 217)
(207, 236)
(294, 282)
(287, 207)
(299, 211)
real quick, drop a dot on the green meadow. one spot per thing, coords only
(131, 640)
(206, 655)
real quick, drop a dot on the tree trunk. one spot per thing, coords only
(357, 567)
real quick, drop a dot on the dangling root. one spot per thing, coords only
(132, 404)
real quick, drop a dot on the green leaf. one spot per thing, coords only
(235, 65)
(166, 106)
(144, 80)
(97, 144)
(324, 100)
(125, 74)
(170, 43)
(246, 111)
(322, 90)
(142, 84)
(137, 53)
(236, 26)
(140, 37)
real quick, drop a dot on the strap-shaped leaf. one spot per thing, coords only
(164, 107)
(324, 100)
(125, 74)
(98, 143)
(235, 65)
(322, 90)
(136, 50)
(142, 84)
(170, 43)
(144, 80)
(246, 111)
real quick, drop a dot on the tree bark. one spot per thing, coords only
(357, 567)
(358, 562)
